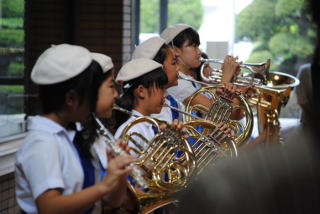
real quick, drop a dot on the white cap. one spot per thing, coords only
(104, 61)
(171, 32)
(60, 63)
(149, 48)
(136, 68)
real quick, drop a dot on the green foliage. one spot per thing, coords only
(282, 30)
(11, 22)
(262, 56)
(11, 37)
(11, 89)
(12, 8)
(179, 11)
(288, 45)
(149, 22)
(186, 11)
(12, 104)
(288, 7)
(255, 19)
(16, 69)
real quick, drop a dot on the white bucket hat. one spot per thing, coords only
(172, 31)
(104, 61)
(149, 48)
(136, 68)
(60, 63)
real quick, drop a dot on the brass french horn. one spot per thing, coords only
(167, 162)
(221, 109)
(209, 144)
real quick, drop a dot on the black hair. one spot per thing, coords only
(87, 135)
(190, 35)
(156, 77)
(86, 85)
(162, 54)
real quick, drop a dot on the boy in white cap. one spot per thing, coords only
(49, 174)
(185, 42)
(155, 48)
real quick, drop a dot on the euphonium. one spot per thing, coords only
(259, 72)
(273, 92)
(269, 101)
(167, 162)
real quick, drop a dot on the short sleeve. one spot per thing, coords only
(183, 90)
(41, 165)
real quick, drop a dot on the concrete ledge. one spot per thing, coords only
(8, 148)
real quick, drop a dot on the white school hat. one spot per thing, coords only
(104, 61)
(172, 31)
(149, 48)
(136, 68)
(60, 63)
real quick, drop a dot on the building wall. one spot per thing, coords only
(8, 203)
(100, 25)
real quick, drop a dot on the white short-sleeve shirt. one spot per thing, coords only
(166, 112)
(46, 160)
(184, 89)
(145, 129)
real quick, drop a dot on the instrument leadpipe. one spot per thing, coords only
(117, 150)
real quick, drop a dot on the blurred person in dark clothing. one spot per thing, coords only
(273, 180)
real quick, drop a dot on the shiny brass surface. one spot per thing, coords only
(220, 111)
(269, 101)
(167, 162)
(210, 144)
(258, 73)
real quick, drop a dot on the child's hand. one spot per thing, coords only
(230, 68)
(123, 145)
(176, 125)
(117, 169)
(224, 127)
(228, 90)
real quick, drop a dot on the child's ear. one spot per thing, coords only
(141, 91)
(176, 51)
(72, 99)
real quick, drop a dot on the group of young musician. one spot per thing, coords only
(63, 165)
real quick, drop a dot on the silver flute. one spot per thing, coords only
(137, 173)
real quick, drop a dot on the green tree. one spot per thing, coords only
(12, 8)
(11, 53)
(280, 30)
(179, 11)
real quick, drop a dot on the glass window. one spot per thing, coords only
(11, 66)
(149, 19)
(253, 30)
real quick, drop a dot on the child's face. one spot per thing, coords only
(155, 100)
(189, 54)
(106, 95)
(171, 69)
